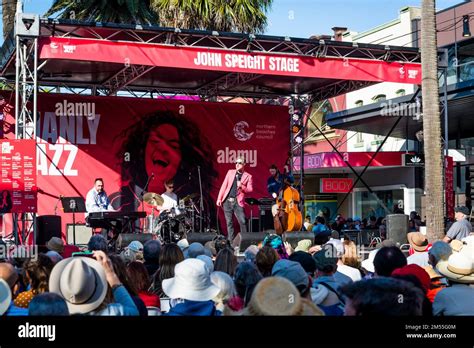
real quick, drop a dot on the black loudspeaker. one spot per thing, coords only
(294, 237)
(397, 228)
(202, 238)
(266, 219)
(47, 227)
(249, 238)
(124, 239)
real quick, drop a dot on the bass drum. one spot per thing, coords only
(171, 231)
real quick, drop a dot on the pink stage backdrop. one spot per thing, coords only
(126, 140)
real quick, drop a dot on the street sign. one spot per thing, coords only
(336, 185)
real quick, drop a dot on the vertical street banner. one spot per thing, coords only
(18, 190)
(449, 186)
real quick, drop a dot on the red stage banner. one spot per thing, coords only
(18, 176)
(336, 185)
(133, 53)
(126, 140)
(355, 159)
(449, 186)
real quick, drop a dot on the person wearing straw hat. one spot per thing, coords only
(458, 299)
(192, 288)
(277, 296)
(419, 244)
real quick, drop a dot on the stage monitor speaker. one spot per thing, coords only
(203, 238)
(47, 227)
(249, 238)
(294, 237)
(83, 234)
(397, 228)
(266, 219)
(124, 239)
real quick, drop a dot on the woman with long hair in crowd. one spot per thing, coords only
(170, 256)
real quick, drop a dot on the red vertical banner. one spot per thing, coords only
(449, 186)
(18, 190)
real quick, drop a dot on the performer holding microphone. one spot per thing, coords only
(231, 196)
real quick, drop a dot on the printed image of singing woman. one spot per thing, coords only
(164, 146)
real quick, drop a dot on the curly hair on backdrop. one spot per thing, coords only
(163, 146)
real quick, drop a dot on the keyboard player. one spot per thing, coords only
(96, 199)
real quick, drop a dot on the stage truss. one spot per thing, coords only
(29, 76)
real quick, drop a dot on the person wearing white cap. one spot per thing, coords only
(192, 286)
(457, 299)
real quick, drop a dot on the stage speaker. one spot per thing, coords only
(203, 238)
(294, 237)
(266, 219)
(124, 239)
(249, 238)
(82, 235)
(397, 228)
(47, 227)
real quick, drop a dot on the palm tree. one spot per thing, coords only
(248, 16)
(8, 16)
(112, 11)
(431, 123)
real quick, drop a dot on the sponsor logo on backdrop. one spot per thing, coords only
(240, 133)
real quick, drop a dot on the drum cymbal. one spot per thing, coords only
(153, 199)
(190, 196)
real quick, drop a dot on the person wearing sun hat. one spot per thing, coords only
(55, 244)
(304, 245)
(5, 296)
(192, 288)
(419, 245)
(271, 298)
(83, 283)
(458, 299)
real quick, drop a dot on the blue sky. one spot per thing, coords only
(303, 18)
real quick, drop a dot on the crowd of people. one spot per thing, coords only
(322, 225)
(330, 277)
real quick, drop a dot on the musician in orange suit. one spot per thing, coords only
(231, 196)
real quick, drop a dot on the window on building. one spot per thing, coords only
(359, 138)
(359, 103)
(379, 98)
(401, 92)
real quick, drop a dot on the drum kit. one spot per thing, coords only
(173, 224)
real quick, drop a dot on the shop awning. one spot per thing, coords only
(378, 118)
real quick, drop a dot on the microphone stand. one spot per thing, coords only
(145, 189)
(201, 203)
